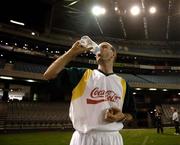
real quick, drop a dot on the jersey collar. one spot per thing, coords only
(106, 74)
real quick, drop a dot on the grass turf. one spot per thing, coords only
(130, 137)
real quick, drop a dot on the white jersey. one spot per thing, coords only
(175, 116)
(95, 93)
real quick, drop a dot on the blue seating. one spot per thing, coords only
(28, 67)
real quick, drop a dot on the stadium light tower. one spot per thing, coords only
(98, 10)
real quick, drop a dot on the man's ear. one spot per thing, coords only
(115, 56)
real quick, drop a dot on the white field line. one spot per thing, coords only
(145, 140)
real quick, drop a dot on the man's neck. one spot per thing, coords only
(106, 69)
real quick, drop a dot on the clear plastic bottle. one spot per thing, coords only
(87, 42)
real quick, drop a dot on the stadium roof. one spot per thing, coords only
(75, 17)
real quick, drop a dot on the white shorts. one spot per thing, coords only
(96, 138)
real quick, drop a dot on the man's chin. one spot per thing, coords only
(101, 60)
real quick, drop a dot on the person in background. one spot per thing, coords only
(158, 118)
(101, 101)
(175, 119)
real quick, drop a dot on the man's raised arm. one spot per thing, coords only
(58, 65)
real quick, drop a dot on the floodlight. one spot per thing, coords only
(33, 33)
(16, 22)
(116, 8)
(152, 89)
(97, 10)
(152, 10)
(135, 10)
(6, 78)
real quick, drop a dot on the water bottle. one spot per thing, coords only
(87, 42)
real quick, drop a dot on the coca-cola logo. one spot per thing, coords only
(97, 96)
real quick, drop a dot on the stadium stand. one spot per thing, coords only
(161, 79)
(27, 62)
(3, 113)
(167, 113)
(27, 67)
(145, 50)
(132, 78)
(2, 63)
(33, 115)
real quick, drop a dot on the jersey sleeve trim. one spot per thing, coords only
(123, 83)
(80, 88)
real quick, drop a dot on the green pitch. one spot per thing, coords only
(130, 136)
